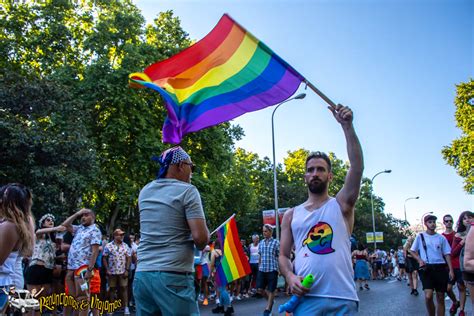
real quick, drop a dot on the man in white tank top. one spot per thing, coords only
(320, 229)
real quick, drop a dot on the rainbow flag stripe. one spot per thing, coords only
(234, 263)
(226, 74)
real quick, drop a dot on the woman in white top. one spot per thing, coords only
(16, 233)
(254, 260)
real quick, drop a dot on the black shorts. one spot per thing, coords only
(468, 277)
(267, 280)
(435, 277)
(457, 277)
(37, 275)
(412, 265)
(401, 266)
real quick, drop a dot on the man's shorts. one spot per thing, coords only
(164, 293)
(435, 277)
(457, 277)
(202, 271)
(319, 306)
(205, 270)
(118, 280)
(401, 266)
(468, 277)
(378, 265)
(267, 280)
(95, 282)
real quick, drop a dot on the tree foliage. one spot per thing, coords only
(73, 130)
(44, 142)
(460, 154)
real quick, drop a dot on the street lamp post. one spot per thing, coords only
(405, 205)
(275, 190)
(372, 202)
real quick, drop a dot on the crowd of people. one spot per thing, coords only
(48, 260)
(438, 260)
(159, 272)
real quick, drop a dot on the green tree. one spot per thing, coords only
(44, 142)
(88, 49)
(460, 154)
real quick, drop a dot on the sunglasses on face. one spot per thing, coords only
(193, 166)
(448, 221)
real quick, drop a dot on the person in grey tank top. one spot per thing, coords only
(320, 229)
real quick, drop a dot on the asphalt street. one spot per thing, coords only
(386, 297)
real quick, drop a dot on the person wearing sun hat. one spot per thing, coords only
(116, 259)
(172, 224)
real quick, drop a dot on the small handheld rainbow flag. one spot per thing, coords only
(234, 263)
(226, 74)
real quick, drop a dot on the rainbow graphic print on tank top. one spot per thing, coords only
(319, 239)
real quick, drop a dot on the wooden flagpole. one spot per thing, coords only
(322, 95)
(233, 215)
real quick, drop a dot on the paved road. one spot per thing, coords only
(388, 297)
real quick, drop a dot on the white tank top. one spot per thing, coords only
(324, 250)
(254, 255)
(7, 269)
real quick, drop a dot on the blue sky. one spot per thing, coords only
(395, 63)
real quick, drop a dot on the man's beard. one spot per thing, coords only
(318, 187)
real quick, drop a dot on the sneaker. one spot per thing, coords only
(126, 311)
(228, 312)
(361, 288)
(231, 308)
(238, 297)
(367, 287)
(415, 292)
(267, 313)
(454, 308)
(461, 313)
(205, 302)
(219, 309)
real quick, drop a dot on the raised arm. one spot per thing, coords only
(349, 193)
(68, 222)
(56, 229)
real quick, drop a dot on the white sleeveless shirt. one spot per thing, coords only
(7, 269)
(324, 250)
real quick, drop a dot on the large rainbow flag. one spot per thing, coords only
(226, 74)
(234, 262)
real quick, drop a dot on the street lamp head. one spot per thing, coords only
(388, 171)
(301, 96)
(417, 198)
